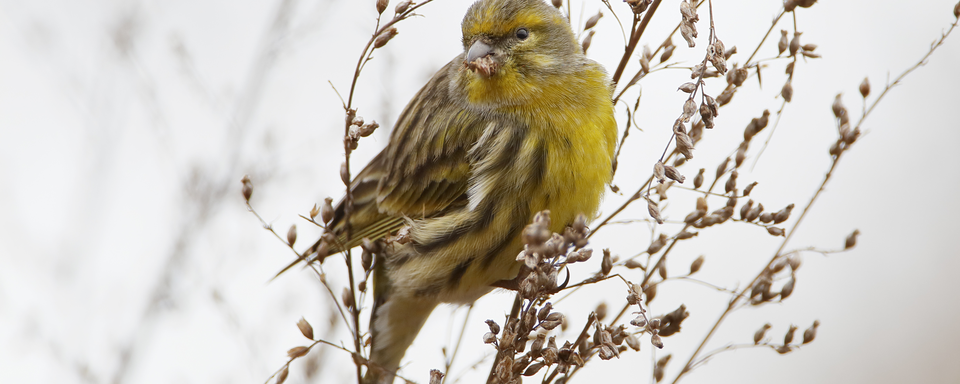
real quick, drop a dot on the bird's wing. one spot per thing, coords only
(424, 170)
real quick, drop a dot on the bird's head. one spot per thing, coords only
(513, 48)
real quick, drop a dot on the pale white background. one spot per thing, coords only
(127, 255)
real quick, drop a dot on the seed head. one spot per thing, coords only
(782, 45)
(326, 212)
(305, 328)
(385, 36)
(402, 6)
(758, 336)
(654, 211)
(787, 289)
(696, 264)
(667, 51)
(795, 43)
(382, 5)
(592, 21)
(247, 187)
(852, 239)
(811, 333)
(292, 235)
(674, 174)
(698, 180)
(788, 338)
(787, 91)
(731, 183)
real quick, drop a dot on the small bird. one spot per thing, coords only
(521, 121)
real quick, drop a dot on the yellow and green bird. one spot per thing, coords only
(520, 122)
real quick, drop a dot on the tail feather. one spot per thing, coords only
(394, 324)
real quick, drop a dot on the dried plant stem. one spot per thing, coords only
(789, 234)
(635, 33)
(456, 348)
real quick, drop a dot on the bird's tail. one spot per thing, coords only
(395, 322)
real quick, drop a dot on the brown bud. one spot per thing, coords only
(689, 108)
(741, 154)
(810, 54)
(746, 191)
(654, 211)
(607, 263)
(745, 210)
(851, 135)
(656, 341)
(787, 91)
(688, 87)
(774, 230)
(489, 338)
(806, 3)
(592, 21)
(783, 214)
(659, 172)
(382, 5)
(852, 239)
(601, 311)
(811, 333)
(789, 69)
(650, 292)
(758, 336)
(402, 6)
(782, 45)
(755, 213)
(696, 264)
(585, 45)
(837, 106)
(532, 369)
(305, 328)
(787, 289)
(788, 338)
(385, 36)
(314, 212)
(795, 43)
(686, 235)
(698, 180)
(667, 52)
(347, 297)
(368, 128)
(326, 212)
(296, 352)
(247, 187)
(282, 376)
(808, 47)
(674, 174)
(731, 183)
(292, 235)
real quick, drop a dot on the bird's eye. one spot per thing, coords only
(523, 33)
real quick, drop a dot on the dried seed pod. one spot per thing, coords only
(806, 3)
(660, 367)
(633, 342)
(851, 136)
(346, 297)
(787, 289)
(366, 260)
(787, 91)
(689, 108)
(730, 52)
(557, 3)
(775, 231)
(749, 188)
(731, 183)
(715, 53)
(305, 328)
(292, 235)
(852, 239)
(382, 5)
(745, 210)
(489, 338)
(956, 11)
(692, 217)
(789, 69)
(686, 235)
(696, 264)
(247, 188)
(812, 55)
(656, 341)
(706, 116)
(788, 338)
(782, 45)
(532, 369)
(688, 87)
(688, 31)
(758, 336)
(650, 292)
(674, 174)
(387, 35)
(657, 244)
(645, 64)
(667, 51)
(811, 333)
(662, 270)
(633, 264)
(837, 106)
(722, 168)
(659, 172)
(296, 352)
(741, 154)
(326, 212)
(698, 180)
(314, 212)
(654, 211)
(368, 128)
(592, 21)
(607, 263)
(726, 96)
(282, 376)
(494, 327)
(783, 214)
(795, 43)
(808, 47)
(587, 41)
(755, 213)
(402, 6)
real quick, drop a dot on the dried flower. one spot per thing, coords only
(811, 333)
(852, 239)
(758, 336)
(674, 174)
(783, 214)
(385, 36)
(775, 231)
(788, 338)
(654, 210)
(731, 183)
(782, 45)
(382, 5)
(592, 21)
(667, 51)
(746, 191)
(305, 328)
(326, 212)
(587, 41)
(402, 6)
(696, 264)
(247, 187)
(787, 91)
(296, 352)
(795, 43)
(787, 289)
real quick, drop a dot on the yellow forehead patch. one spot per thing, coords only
(494, 21)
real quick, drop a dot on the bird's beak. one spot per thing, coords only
(482, 59)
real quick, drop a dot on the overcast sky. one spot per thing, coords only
(127, 255)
